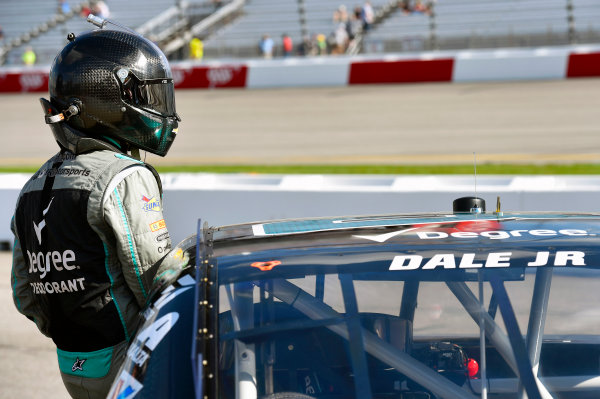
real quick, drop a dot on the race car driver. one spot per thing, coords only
(88, 225)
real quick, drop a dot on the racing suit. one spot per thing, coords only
(89, 230)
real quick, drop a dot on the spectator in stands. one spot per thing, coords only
(85, 11)
(430, 4)
(196, 49)
(321, 44)
(340, 16)
(368, 15)
(100, 9)
(405, 7)
(355, 24)
(266, 46)
(339, 40)
(421, 8)
(305, 47)
(287, 45)
(64, 7)
(29, 56)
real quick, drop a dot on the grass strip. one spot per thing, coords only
(492, 169)
(484, 169)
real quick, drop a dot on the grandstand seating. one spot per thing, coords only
(587, 19)
(456, 24)
(399, 31)
(276, 17)
(487, 23)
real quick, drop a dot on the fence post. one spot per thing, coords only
(302, 16)
(432, 27)
(571, 23)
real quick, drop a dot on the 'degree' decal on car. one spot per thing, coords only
(491, 234)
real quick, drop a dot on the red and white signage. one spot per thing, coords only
(23, 80)
(190, 76)
(442, 66)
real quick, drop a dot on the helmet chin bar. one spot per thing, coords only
(78, 142)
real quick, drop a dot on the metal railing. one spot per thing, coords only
(355, 46)
(176, 21)
(204, 27)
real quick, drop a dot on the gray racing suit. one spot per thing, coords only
(89, 230)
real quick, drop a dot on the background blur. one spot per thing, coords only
(209, 29)
(308, 81)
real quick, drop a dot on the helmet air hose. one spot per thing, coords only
(72, 110)
(101, 23)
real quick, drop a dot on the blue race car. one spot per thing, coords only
(466, 304)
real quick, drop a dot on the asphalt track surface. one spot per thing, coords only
(538, 121)
(544, 121)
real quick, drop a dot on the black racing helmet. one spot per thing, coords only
(122, 86)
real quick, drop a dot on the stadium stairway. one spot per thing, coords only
(19, 19)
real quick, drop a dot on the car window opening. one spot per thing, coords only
(322, 335)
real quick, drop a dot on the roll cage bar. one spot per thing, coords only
(204, 356)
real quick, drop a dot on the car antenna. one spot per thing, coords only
(476, 209)
(473, 205)
(482, 354)
(101, 23)
(498, 207)
(475, 170)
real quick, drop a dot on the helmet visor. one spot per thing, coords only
(156, 95)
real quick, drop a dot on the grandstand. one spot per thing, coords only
(460, 24)
(275, 18)
(234, 27)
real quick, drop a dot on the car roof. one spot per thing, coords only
(434, 242)
(301, 227)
